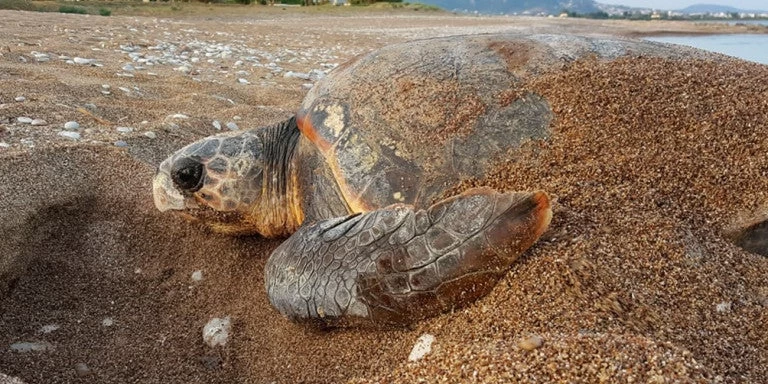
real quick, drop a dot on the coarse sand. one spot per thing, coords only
(652, 163)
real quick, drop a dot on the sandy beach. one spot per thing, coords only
(635, 281)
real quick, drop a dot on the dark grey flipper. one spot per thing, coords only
(395, 265)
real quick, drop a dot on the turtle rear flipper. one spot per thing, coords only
(396, 265)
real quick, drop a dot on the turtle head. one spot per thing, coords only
(217, 180)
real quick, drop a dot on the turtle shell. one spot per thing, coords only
(405, 122)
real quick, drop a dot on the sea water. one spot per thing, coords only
(753, 47)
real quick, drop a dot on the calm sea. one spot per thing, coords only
(748, 47)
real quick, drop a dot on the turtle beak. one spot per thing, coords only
(165, 194)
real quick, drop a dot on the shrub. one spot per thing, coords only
(105, 11)
(72, 9)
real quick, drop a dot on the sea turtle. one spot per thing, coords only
(358, 177)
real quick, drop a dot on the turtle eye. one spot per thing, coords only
(187, 174)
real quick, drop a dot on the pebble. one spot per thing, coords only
(20, 99)
(723, 307)
(129, 67)
(82, 61)
(3, 144)
(422, 347)
(216, 332)
(82, 370)
(307, 86)
(24, 120)
(71, 125)
(216, 124)
(107, 322)
(243, 81)
(70, 135)
(232, 126)
(124, 129)
(48, 328)
(121, 144)
(150, 134)
(531, 343)
(33, 346)
(297, 75)
(197, 276)
(211, 362)
(39, 122)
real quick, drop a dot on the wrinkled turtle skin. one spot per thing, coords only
(355, 179)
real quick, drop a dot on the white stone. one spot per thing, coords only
(70, 135)
(723, 307)
(216, 124)
(216, 332)
(34, 346)
(232, 126)
(48, 328)
(150, 134)
(197, 276)
(71, 125)
(24, 120)
(124, 129)
(107, 322)
(243, 81)
(20, 99)
(422, 347)
(39, 122)
(82, 61)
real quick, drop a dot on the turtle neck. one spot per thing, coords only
(280, 197)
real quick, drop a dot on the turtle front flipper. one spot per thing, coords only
(397, 265)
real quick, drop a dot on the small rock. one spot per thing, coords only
(39, 122)
(82, 61)
(297, 75)
(211, 362)
(20, 99)
(121, 144)
(82, 370)
(150, 134)
(216, 332)
(236, 117)
(3, 144)
(531, 343)
(232, 126)
(197, 276)
(107, 322)
(35, 346)
(422, 347)
(179, 116)
(70, 135)
(71, 125)
(243, 81)
(216, 124)
(128, 67)
(90, 106)
(106, 86)
(24, 120)
(723, 307)
(48, 328)
(307, 86)
(124, 129)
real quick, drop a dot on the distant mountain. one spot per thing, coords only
(711, 8)
(516, 6)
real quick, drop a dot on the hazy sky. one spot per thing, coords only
(677, 4)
